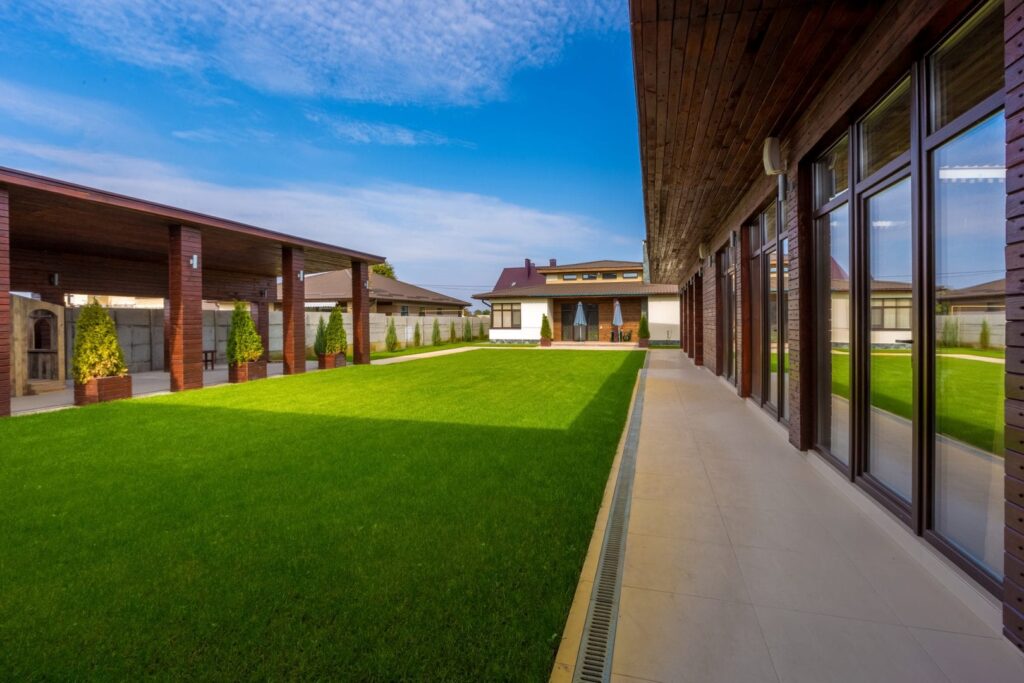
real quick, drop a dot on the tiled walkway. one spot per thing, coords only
(747, 560)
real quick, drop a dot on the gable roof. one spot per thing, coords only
(519, 276)
(603, 264)
(556, 291)
(336, 285)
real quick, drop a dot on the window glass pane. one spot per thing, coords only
(772, 313)
(608, 276)
(891, 364)
(831, 173)
(969, 193)
(885, 131)
(968, 67)
(569, 276)
(630, 275)
(783, 330)
(769, 224)
(834, 421)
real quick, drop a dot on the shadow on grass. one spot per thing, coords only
(227, 542)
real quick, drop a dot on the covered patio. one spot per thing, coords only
(58, 238)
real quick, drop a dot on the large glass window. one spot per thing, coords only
(783, 324)
(968, 67)
(834, 334)
(832, 173)
(968, 190)
(885, 131)
(504, 316)
(891, 269)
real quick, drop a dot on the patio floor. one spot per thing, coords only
(747, 560)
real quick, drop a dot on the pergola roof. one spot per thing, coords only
(57, 216)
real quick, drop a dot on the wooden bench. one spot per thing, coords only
(209, 358)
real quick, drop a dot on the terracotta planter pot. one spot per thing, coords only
(103, 389)
(246, 372)
(545, 342)
(645, 343)
(330, 362)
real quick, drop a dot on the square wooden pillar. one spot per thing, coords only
(5, 305)
(261, 312)
(185, 290)
(360, 312)
(293, 295)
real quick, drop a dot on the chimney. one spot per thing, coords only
(528, 266)
(552, 262)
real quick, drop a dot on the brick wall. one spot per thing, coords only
(293, 295)
(698, 319)
(5, 306)
(710, 306)
(1013, 587)
(360, 312)
(186, 320)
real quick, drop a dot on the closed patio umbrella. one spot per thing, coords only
(580, 322)
(617, 321)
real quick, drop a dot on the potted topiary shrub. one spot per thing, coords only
(435, 334)
(391, 337)
(336, 344)
(97, 363)
(644, 334)
(320, 344)
(545, 330)
(245, 348)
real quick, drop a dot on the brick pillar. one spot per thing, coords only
(167, 335)
(185, 289)
(698, 319)
(360, 312)
(261, 312)
(682, 319)
(689, 318)
(293, 295)
(1013, 487)
(5, 305)
(709, 307)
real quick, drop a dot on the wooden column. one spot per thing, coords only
(1013, 488)
(5, 305)
(185, 289)
(293, 295)
(360, 312)
(261, 312)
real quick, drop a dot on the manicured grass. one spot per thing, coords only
(413, 350)
(969, 402)
(419, 521)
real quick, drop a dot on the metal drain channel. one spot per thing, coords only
(594, 660)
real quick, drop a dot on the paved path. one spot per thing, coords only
(747, 560)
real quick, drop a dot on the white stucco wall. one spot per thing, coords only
(531, 312)
(663, 318)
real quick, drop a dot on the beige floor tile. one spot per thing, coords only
(669, 487)
(618, 678)
(678, 520)
(690, 567)
(755, 492)
(812, 648)
(970, 659)
(655, 462)
(683, 639)
(778, 529)
(819, 582)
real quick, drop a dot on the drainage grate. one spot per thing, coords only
(594, 661)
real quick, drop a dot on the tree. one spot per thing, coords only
(545, 327)
(467, 330)
(337, 343)
(244, 342)
(391, 337)
(435, 334)
(385, 269)
(644, 332)
(480, 329)
(96, 353)
(320, 342)
(451, 331)
(417, 338)
(985, 341)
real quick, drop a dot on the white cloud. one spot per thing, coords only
(418, 51)
(231, 136)
(57, 112)
(368, 132)
(458, 242)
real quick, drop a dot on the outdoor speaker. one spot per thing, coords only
(772, 156)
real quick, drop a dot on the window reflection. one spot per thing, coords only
(885, 131)
(969, 66)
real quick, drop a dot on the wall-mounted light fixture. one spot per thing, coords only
(771, 155)
(194, 261)
(302, 276)
(54, 279)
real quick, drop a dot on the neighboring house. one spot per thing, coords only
(521, 276)
(389, 296)
(987, 297)
(517, 308)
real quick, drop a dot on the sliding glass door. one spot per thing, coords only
(769, 311)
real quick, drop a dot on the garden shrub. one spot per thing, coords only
(435, 334)
(467, 330)
(391, 338)
(417, 337)
(337, 344)
(985, 340)
(244, 343)
(950, 333)
(96, 353)
(320, 342)
(480, 329)
(644, 332)
(545, 327)
(451, 331)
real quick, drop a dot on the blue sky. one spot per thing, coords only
(455, 137)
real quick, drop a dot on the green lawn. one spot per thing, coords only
(420, 521)
(969, 402)
(413, 350)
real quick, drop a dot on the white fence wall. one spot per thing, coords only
(968, 327)
(405, 327)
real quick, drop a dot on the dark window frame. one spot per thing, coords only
(515, 313)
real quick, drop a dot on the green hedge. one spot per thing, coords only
(96, 352)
